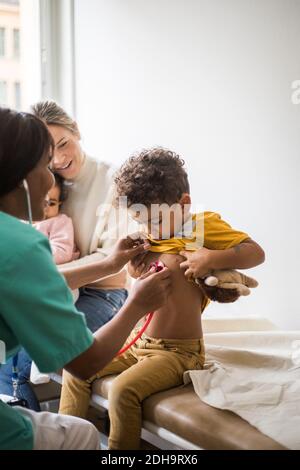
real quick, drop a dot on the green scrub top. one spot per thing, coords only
(36, 312)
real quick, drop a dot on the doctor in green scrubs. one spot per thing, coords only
(36, 306)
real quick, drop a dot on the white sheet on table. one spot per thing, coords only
(255, 374)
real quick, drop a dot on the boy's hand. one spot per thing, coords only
(197, 263)
(125, 250)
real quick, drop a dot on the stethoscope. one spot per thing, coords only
(15, 371)
(158, 266)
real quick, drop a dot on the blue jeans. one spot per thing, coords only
(25, 390)
(98, 306)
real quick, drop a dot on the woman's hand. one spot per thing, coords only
(151, 290)
(197, 263)
(137, 266)
(126, 249)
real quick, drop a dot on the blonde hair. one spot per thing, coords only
(51, 113)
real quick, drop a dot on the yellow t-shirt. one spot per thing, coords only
(209, 231)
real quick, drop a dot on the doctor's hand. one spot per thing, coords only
(126, 249)
(151, 290)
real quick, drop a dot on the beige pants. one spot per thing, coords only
(150, 366)
(57, 432)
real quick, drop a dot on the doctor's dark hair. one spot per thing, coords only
(24, 140)
(153, 176)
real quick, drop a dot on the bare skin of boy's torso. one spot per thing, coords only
(180, 318)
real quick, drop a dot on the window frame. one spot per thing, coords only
(3, 83)
(57, 32)
(16, 43)
(18, 95)
(3, 41)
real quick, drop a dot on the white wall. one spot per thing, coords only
(210, 79)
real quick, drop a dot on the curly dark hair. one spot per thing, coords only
(153, 176)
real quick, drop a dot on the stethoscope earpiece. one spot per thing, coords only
(26, 187)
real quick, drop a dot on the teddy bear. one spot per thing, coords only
(226, 285)
(222, 285)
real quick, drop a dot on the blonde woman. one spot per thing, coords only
(89, 204)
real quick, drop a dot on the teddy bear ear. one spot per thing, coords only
(211, 281)
(249, 281)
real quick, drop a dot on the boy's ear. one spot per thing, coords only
(185, 199)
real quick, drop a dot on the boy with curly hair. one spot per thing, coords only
(149, 184)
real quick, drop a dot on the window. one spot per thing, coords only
(20, 50)
(18, 95)
(16, 34)
(3, 93)
(2, 42)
